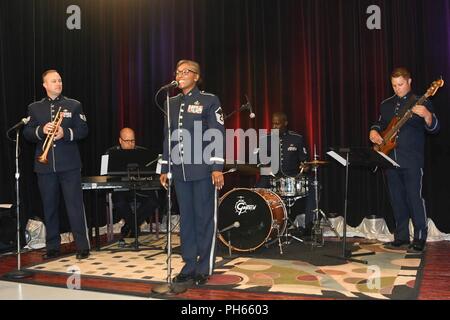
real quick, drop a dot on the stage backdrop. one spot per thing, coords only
(316, 60)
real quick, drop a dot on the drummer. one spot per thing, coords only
(292, 153)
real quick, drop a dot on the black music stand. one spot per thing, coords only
(357, 157)
(130, 165)
(119, 161)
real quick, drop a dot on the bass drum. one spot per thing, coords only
(250, 218)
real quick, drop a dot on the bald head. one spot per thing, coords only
(126, 139)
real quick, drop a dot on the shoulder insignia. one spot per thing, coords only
(219, 116)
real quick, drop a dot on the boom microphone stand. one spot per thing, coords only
(236, 224)
(246, 106)
(17, 274)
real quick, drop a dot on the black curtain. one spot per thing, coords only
(315, 60)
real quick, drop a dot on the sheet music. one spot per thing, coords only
(104, 165)
(5, 205)
(337, 157)
(395, 164)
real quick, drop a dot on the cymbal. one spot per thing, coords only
(316, 163)
(246, 169)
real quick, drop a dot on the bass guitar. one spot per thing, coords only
(390, 134)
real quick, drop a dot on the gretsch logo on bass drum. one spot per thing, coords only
(242, 207)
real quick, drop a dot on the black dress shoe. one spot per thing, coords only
(397, 244)
(183, 278)
(128, 232)
(82, 254)
(201, 279)
(125, 231)
(50, 254)
(417, 246)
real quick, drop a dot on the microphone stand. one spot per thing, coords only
(216, 212)
(169, 287)
(18, 274)
(241, 108)
(228, 230)
(153, 161)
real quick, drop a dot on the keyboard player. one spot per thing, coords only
(122, 200)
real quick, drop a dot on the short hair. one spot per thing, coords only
(401, 72)
(194, 65)
(280, 115)
(47, 72)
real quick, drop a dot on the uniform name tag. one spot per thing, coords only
(195, 109)
(67, 114)
(292, 148)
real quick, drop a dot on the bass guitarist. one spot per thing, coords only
(405, 183)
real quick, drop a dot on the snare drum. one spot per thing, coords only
(290, 186)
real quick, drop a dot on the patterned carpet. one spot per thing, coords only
(301, 270)
(389, 274)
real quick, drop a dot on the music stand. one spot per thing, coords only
(357, 157)
(116, 162)
(130, 165)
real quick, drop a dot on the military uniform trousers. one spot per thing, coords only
(70, 182)
(405, 190)
(197, 225)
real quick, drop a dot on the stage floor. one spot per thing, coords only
(261, 275)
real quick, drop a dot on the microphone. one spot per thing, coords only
(248, 107)
(22, 122)
(173, 84)
(235, 224)
(252, 114)
(243, 107)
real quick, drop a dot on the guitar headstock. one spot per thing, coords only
(434, 87)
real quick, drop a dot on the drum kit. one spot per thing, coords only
(250, 218)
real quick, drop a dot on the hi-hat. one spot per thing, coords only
(316, 163)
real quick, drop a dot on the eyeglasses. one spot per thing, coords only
(128, 141)
(183, 73)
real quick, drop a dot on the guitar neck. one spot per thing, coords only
(408, 114)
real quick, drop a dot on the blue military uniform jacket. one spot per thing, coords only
(292, 152)
(409, 152)
(191, 115)
(64, 154)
